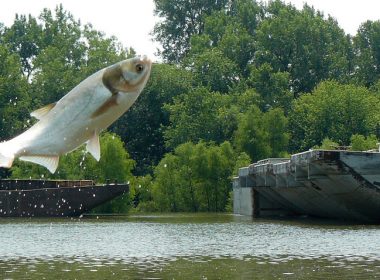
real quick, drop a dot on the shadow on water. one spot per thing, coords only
(183, 268)
(308, 221)
(197, 218)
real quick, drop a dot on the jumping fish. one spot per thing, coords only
(79, 116)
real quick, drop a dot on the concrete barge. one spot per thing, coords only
(54, 198)
(321, 183)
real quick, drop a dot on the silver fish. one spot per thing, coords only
(79, 116)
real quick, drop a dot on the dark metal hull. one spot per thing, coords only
(43, 198)
(331, 184)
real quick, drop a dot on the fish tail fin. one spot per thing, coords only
(6, 155)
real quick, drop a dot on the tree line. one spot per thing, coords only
(240, 81)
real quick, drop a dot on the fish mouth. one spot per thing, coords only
(144, 59)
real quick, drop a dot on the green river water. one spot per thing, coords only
(187, 246)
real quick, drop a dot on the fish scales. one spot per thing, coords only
(79, 116)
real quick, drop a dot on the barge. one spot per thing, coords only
(321, 183)
(54, 198)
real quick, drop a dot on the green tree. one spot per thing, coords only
(367, 53)
(141, 128)
(272, 86)
(335, 111)
(304, 44)
(231, 32)
(69, 54)
(221, 161)
(24, 38)
(57, 53)
(276, 127)
(179, 20)
(101, 51)
(194, 178)
(214, 70)
(14, 99)
(250, 136)
(197, 115)
(141, 194)
(262, 135)
(362, 143)
(327, 144)
(115, 164)
(165, 188)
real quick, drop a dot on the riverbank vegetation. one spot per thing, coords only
(239, 81)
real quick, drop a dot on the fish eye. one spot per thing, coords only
(139, 68)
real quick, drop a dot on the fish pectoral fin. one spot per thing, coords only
(112, 101)
(93, 146)
(38, 114)
(50, 162)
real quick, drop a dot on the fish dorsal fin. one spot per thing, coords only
(50, 162)
(93, 146)
(38, 114)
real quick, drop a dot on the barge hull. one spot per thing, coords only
(329, 184)
(52, 199)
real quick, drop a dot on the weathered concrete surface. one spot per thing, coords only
(55, 198)
(332, 184)
(243, 203)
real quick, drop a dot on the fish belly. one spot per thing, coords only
(63, 134)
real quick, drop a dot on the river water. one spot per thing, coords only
(187, 246)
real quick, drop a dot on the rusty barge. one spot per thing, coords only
(321, 183)
(54, 198)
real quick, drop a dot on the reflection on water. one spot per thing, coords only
(188, 268)
(186, 247)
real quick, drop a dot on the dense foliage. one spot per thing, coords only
(241, 81)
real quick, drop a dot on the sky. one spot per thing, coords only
(132, 21)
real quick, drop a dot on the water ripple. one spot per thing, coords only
(155, 246)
